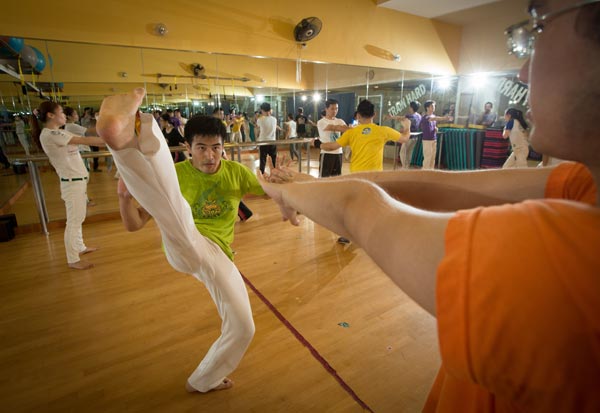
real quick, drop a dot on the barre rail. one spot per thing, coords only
(38, 190)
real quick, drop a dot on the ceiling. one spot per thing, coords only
(432, 8)
(92, 71)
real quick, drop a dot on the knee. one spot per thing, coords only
(245, 331)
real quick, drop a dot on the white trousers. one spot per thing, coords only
(406, 152)
(23, 139)
(429, 149)
(518, 157)
(150, 176)
(75, 196)
(236, 137)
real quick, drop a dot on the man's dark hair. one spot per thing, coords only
(266, 106)
(217, 109)
(300, 110)
(489, 103)
(428, 103)
(201, 125)
(415, 105)
(366, 109)
(330, 102)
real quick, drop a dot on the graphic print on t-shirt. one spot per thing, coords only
(210, 204)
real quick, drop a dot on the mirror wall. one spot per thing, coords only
(81, 75)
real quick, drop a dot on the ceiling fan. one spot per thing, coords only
(196, 71)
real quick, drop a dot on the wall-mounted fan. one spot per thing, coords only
(307, 29)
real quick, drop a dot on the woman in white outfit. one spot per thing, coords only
(516, 129)
(62, 149)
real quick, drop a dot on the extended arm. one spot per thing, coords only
(337, 128)
(134, 217)
(330, 146)
(90, 140)
(451, 191)
(407, 243)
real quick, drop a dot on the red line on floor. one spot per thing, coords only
(306, 344)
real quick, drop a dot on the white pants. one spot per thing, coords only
(236, 137)
(429, 149)
(150, 176)
(23, 139)
(75, 196)
(406, 152)
(518, 157)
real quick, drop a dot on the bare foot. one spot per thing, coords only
(116, 122)
(225, 384)
(81, 265)
(88, 250)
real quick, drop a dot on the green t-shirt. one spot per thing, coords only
(214, 198)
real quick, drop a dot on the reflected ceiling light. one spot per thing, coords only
(478, 80)
(303, 98)
(444, 83)
(260, 98)
(316, 97)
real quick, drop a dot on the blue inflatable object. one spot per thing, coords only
(41, 60)
(14, 43)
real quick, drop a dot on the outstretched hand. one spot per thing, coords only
(275, 192)
(283, 174)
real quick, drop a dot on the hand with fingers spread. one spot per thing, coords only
(274, 191)
(283, 174)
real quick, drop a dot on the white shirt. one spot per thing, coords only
(292, 128)
(517, 135)
(78, 130)
(329, 136)
(64, 158)
(267, 126)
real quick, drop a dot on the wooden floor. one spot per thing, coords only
(125, 335)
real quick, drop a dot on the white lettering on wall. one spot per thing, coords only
(403, 103)
(515, 91)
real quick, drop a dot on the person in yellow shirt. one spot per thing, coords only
(367, 140)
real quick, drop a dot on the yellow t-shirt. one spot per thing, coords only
(237, 124)
(367, 142)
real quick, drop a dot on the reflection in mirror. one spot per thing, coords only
(81, 75)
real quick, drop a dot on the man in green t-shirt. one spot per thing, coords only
(211, 189)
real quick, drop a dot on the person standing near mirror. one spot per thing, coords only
(516, 130)
(414, 117)
(61, 146)
(267, 128)
(430, 130)
(487, 117)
